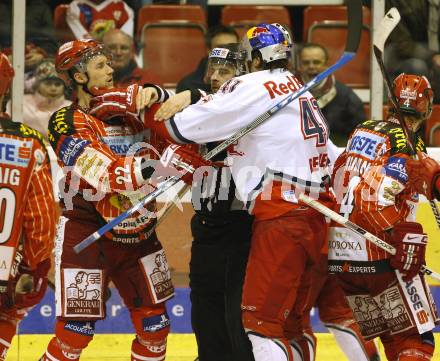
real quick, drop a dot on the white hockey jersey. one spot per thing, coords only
(271, 164)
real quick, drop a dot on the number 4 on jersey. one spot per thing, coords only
(313, 124)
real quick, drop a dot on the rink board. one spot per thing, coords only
(114, 335)
(41, 319)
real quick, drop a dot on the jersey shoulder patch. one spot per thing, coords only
(61, 123)
(22, 130)
(395, 134)
(37, 145)
(420, 144)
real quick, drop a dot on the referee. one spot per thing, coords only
(221, 230)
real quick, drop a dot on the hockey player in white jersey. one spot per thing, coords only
(270, 166)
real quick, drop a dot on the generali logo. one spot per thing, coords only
(83, 292)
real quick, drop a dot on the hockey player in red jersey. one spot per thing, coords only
(105, 174)
(27, 218)
(286, 155)
(387, 294)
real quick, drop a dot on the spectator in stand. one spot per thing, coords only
(216, 37)
(126, 71)
(93, 18)
(33, 57)
(340, 105)
(48, 98)
(39, 24)
(414, 47)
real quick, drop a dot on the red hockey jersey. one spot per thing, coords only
(371, 186)
(28, 210)
(103, 178)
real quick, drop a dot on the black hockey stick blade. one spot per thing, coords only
(354, 9)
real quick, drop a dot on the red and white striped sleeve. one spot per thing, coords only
(40, 216)
(380, 198)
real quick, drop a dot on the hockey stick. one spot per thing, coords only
(171, 205)
(357, 229)
(386, 26)
(353, 38)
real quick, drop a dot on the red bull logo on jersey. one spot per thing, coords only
(15, 152)
(282, 88)
(232, 149)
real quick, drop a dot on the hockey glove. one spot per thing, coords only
(115, 102)
(410, 243)
(423, 175)
(184, 160)
(31, 284)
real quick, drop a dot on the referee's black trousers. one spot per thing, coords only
(218, 262)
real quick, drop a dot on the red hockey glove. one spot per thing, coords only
(109, 103)
(410, 243)
(185, 161)
(31, 284)
(422, 174)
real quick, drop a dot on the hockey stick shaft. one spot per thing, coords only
(115, 221)
(172, 204)
(336, 217)
(241, 133)
(353, 39)
(387, 25)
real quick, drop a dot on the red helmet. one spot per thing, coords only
(6, 74)
(76, 53)
(414, 95)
